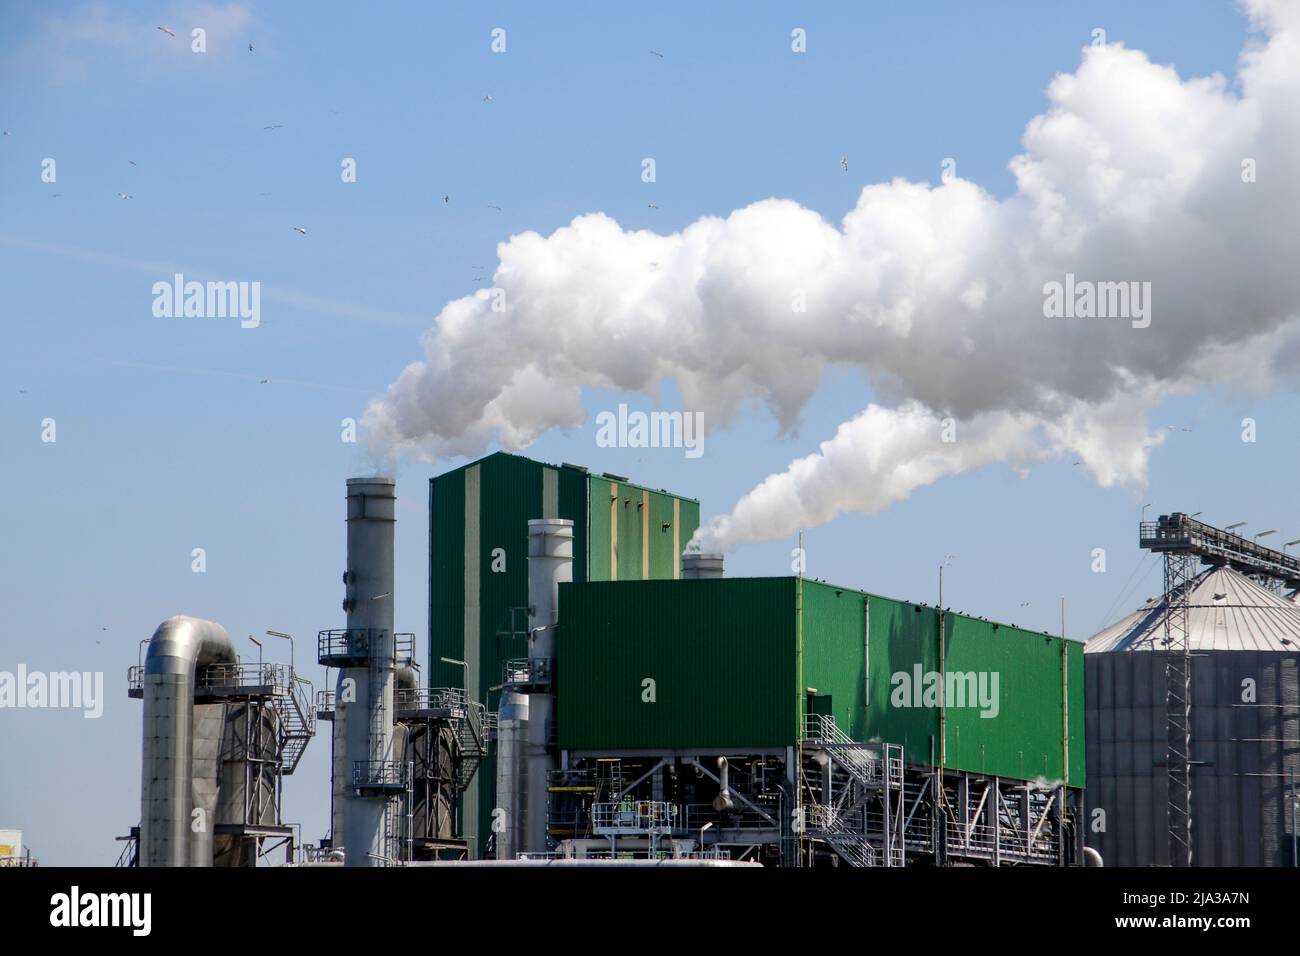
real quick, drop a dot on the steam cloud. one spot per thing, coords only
(935, 294)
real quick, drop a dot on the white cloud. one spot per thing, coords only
(934, 294)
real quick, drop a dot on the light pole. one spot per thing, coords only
(702, 829)
(1239, 524)
(1144, 511)
(1264, 533)
(259, 654)
(1289, 543)
(289, 638)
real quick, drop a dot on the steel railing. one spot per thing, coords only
(277, 679)
(527, 671)
(353, 646)
(394, 774)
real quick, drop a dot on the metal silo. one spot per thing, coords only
(1244, 645)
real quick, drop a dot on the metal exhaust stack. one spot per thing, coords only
(550, 562)
(365, 689)
(696, 565)
(169, 789)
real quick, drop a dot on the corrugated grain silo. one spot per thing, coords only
(1244, 641)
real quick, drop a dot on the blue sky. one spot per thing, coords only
(167, 440)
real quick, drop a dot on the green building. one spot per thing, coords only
(737, 664)
(478, 567)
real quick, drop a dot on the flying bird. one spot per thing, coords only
(276, 126)
(497, 208)
(250, 48)
(167, 31)
(657, 53)
(487, 98)
(125, 196)
(651, 205)
(265, 381)
(844, 161)
(300, 230)
(132, 162)
(446, 199)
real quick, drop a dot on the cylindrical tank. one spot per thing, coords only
(245, 795)
(550, 563)
(367, 691)
(510, 820)
(696, 565)
(1245, 729)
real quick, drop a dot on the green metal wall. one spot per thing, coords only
(1024, 740)
(486, 505)
(728, 671)
(633, 534)
(720, 653)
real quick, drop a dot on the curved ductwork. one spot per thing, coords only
(170, 835)
(723, 800)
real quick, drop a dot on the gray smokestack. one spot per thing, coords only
(365, 689)
(696, 565)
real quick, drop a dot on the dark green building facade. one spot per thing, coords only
(737, 663)
(478, 568)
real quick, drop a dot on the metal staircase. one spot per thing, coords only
(472, 738)
(855, 802)
(297, 722)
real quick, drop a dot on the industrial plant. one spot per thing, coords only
(597, 693)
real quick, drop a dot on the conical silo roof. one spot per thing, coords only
(1227, 611)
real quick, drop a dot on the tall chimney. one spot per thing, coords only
(365, 688)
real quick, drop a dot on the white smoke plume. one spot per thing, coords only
(935, 294)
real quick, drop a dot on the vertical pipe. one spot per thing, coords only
(550, 562)
(371, 514)
(943, 685)
(1065, 703)
(800, 699)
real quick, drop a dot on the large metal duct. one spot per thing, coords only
(550, 562)
(696, 565)
(366, 691)
(171, 789)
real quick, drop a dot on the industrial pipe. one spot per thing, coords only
(170, 832)
(368, 721)
(550, 563)
(723, 800)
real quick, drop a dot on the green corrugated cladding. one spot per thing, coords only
(716, 650)
(725, 659)
(632, 532)
(509, 490)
